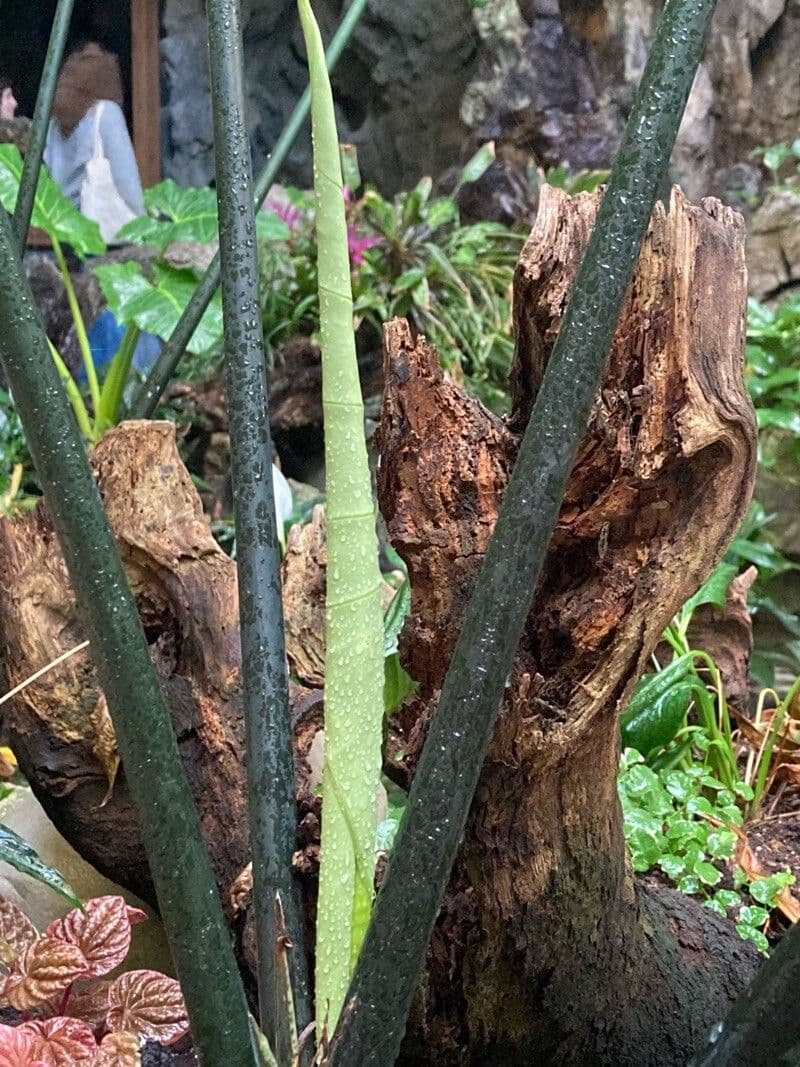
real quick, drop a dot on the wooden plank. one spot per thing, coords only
(146, 79)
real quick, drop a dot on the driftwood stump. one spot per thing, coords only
(187, 596)
(545, 947)
(544, 950)
(185, 589)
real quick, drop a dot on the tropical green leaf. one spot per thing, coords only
(19, 855)
(477, 166)
(270, 228)
(192, 211)
(146, 231)
(655, 685)
(52, 211)
(715, 588)
(156, 305)
(441, 212)
(397, 683)
(781, 418)
(395, 617)
(189, 214)
(762, 555)
(652, 724)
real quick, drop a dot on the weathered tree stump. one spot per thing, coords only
(545, 950)
(187, 596)
(185, 589)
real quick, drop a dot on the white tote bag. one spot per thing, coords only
(100, 199)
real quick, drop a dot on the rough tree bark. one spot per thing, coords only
(545, 948)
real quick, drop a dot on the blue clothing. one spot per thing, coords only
(105, 337)
(66, 157)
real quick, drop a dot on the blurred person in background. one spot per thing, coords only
(88, 125)
(8, 102)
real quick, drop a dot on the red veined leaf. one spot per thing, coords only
(120, 1050)
(63, 1042)
(102, 932)
(17, 932)
(148, 1004)
(17, 1047)
(44, 970)
(89, 1001)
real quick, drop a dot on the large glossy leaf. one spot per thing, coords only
(654, 724)
(19, 854)
(175, 213)
(185, 213)
(715, 589)
(52, 211)
(156, 305)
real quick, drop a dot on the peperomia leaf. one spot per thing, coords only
(52, 211)
(17, 932)
(19, 854)
(156, 305)
(62, 1040)
(148, 1004)
(119, 1050)
(43, 971)
(102, 931)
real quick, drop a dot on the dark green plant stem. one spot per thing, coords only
(187, 894)
(41, 121)
(764, 1025)
(393, 955)
(162, 371)
(270, 760)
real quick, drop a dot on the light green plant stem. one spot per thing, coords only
(114, 383)
(73, 393)
(765, 760)
(353, 617)
(80, 325)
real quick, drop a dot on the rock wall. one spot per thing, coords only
(556, 81)
(398, 90)
(549, 80)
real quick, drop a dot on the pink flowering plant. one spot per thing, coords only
(409, 256)
(69, 1011)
